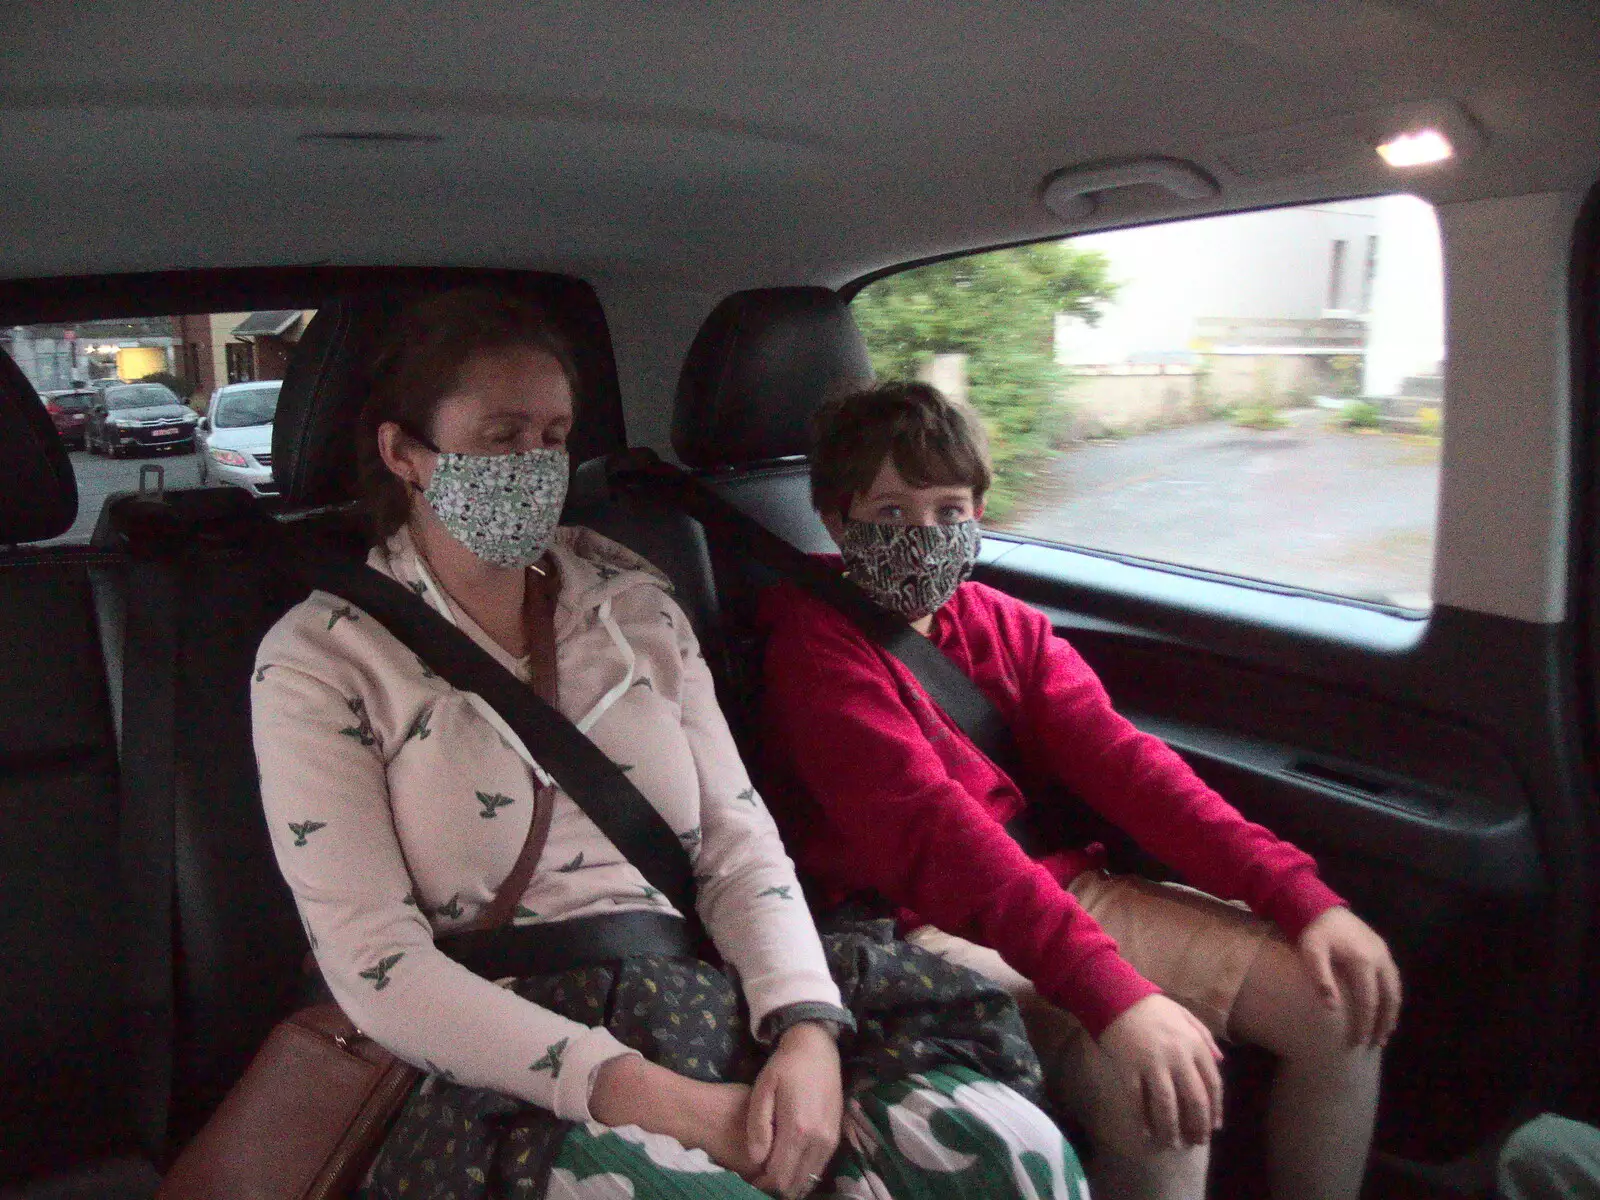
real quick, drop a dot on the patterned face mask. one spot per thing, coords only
(910, 569)
(502, 507)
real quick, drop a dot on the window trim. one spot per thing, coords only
(1039, 571)
(848, 290)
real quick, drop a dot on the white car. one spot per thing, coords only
(236, 436)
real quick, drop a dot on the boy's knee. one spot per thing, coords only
(1323, 1039)
(1117, 1127)
(1295, 1023)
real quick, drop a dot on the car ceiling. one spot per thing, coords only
(721, 145)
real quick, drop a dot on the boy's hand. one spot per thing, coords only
(1168, 1060)
(1355, 973)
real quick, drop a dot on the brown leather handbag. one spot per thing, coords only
(311, 1109)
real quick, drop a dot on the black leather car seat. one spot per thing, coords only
(68, 1104)
(761, 365)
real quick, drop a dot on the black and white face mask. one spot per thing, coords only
(502, 507)
(910, 569)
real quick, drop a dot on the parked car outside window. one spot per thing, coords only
(139, 416)
(69, 412)
(236, 437)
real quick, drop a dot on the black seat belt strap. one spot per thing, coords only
(148, 763)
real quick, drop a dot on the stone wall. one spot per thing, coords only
(1127, 402)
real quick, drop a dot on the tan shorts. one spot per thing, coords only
(1195, 948)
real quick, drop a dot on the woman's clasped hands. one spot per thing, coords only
(778, 1134)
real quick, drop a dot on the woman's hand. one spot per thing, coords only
(1168, 1060)
(1355, 972)
(796, 1111)
(713, 1117)
(776, 1135)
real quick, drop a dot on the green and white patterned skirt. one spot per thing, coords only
(940, 1087)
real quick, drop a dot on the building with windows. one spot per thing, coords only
(238, 347)
(1274, 308)
(62, 356)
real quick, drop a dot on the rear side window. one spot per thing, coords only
(1259, 395)
(128, 365)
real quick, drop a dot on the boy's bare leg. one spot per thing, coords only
(1083, 1081)
(1325, 1092)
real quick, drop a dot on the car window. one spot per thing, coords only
(237, 408)
(1260, 395)
(131, 364)
(73, 401)
(150, 395)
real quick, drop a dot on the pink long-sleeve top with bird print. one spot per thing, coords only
(398, 804)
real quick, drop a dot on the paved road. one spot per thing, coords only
(99, 477)
(1308, 505)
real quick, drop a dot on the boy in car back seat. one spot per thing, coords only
(1128, 985)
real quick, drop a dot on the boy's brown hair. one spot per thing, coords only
(935, 441)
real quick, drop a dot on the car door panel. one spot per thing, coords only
(1412, 757)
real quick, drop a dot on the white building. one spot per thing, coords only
(1358, 277)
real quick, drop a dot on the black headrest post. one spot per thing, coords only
(762, 364)
(38, 491)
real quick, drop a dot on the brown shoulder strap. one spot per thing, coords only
(515, 884)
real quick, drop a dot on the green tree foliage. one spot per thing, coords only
(999, 310)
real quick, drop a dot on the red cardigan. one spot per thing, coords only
(889, 794)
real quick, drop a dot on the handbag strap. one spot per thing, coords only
(514, 885)
(595, 783)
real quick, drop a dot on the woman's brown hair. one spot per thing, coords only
(934, 441)
(419, 363)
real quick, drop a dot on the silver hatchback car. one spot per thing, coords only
(236, 436)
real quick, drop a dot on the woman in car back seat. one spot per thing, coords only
(398, 805)
(892, 796)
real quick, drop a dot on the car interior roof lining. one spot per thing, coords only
(777, 144)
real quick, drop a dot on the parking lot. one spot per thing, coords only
(100, 477)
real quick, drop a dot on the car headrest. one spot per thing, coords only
(38, 492)
(327, 380)
(761, 365)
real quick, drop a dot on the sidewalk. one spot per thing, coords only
(1350, 513)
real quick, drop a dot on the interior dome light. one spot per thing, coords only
(1416, 149)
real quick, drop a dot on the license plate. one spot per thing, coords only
(173, 432)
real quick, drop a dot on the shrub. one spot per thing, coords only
(1259, 416)
(1359, 414)
(999, 309)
